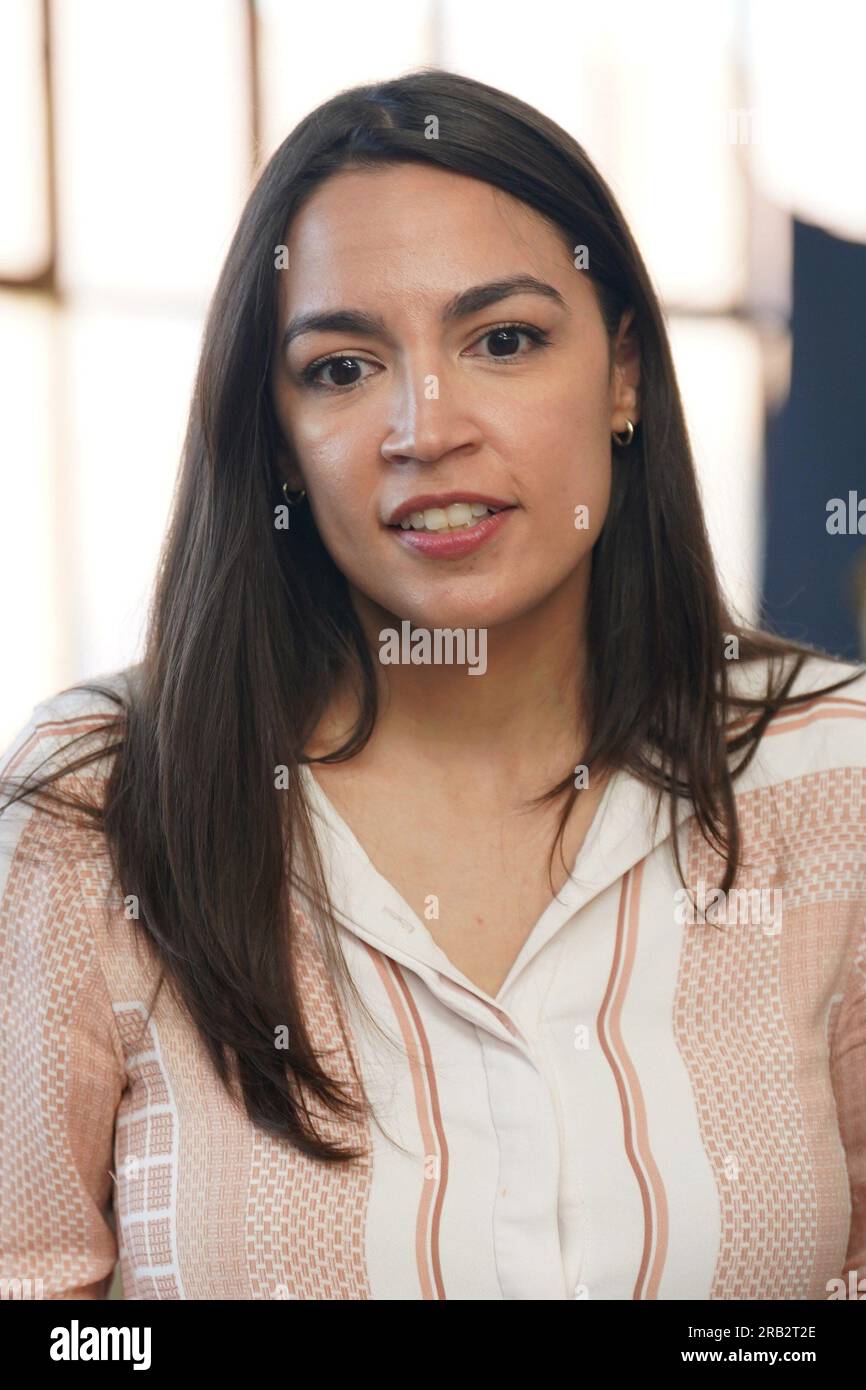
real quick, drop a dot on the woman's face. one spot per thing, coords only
(435, 399)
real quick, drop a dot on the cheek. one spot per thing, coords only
(331, 457)
(343, 496)
(564, 464)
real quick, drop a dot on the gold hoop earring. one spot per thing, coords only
(629, 435)
(298, 497)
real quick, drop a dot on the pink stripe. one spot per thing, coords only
(836, 706)
(812, 718)
(442, 1151)
(71, 726)
(427, 1223)
(635, 1127)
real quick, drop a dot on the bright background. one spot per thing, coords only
(130, 136)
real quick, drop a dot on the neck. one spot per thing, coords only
(518, 722)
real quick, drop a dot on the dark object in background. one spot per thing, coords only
(816, 450)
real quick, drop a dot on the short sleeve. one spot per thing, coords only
(848, 1073)
(61, 1060)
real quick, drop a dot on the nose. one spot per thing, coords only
(428, 416)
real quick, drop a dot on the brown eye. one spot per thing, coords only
(340, 365)
(506, 337)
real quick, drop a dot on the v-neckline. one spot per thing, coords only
(560, 906)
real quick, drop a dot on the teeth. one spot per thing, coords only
(455, 517)
(459, 514)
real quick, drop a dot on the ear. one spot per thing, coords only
(625, 375)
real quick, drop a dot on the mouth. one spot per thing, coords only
(459, 516)
(427, 537)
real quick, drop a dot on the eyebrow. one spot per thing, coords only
(467, 302)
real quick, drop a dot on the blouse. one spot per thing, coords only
(653, 1106)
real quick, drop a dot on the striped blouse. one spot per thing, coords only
(650, 1108)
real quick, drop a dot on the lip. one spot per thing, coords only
(451, 545)
(442, 499)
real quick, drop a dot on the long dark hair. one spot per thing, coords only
(251, 626)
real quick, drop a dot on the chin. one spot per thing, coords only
(481, 611)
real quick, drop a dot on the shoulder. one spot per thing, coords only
(823, 730)
(62, 722)
(75, 723)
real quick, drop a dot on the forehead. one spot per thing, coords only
(413, 227)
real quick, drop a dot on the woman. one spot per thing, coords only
(534, 971)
